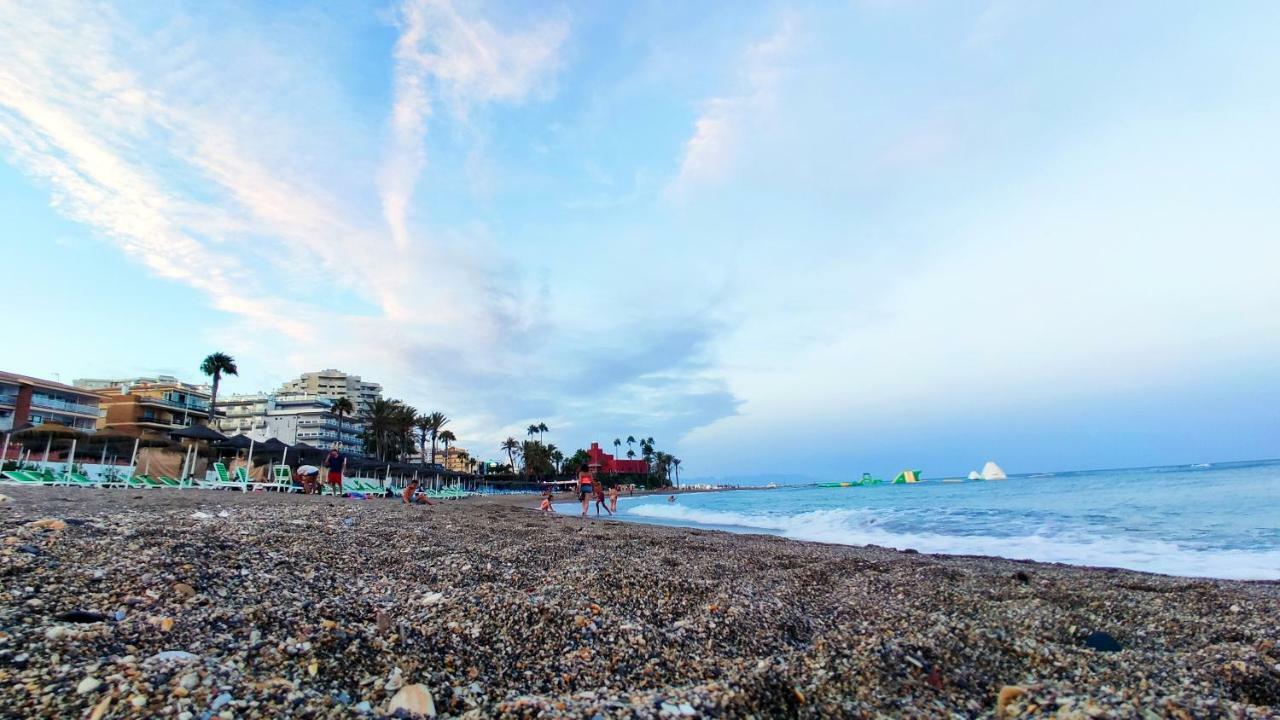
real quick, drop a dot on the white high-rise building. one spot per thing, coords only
(289, 418)
(335, 384)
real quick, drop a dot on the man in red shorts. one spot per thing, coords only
(335, 464)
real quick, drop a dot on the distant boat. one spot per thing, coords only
(771, 485)
(1202, 465)
(992, 471)
(974, 475)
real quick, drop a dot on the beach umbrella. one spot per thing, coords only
(4, 454)
(196, 434)
(109, 437)
(49, 431)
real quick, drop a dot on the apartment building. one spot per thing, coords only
(25, 399)
(290, 418)
(335, 384)
(152, 409)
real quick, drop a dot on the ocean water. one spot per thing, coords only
(1212, 520)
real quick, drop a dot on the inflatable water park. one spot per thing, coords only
(990, 471)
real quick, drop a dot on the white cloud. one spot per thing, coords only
(718, 132)
(444, 56)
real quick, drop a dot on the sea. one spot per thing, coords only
(1215, 520)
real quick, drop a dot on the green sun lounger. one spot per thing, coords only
(223, 480)
(22, 477)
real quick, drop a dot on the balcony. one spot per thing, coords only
(195, 406)
(49, 403)
(8, 399)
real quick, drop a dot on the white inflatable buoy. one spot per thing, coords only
(992, 471)
(973, 475)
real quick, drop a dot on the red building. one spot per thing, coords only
(603, 462)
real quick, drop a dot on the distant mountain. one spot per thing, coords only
(760, 479)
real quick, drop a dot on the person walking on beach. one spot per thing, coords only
(335, 463)
(585, 491)
(600, 500)
(613, 499)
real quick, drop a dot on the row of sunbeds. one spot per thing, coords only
(281, 481)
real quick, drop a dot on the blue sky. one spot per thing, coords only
(819, 238)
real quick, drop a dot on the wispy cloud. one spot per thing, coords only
(241, 204)
(719, 130)
(445, 56)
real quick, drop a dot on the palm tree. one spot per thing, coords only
(542, 428)
(617, 445)
(341, 407)
(447, 437)
(531, 430)
(675, 465)
(631, 454)
(388, 428)
(511, 445)
(438, 421)
(463, 458)
(423, 425)
(214, 366)
(558, 458)
(631, 440)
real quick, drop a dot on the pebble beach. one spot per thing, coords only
(206, 604)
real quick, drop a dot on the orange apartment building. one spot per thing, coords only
(153, 409)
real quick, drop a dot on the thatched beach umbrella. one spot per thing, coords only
(196, 434)
(4, 454)
(107, 438)
(49, 431)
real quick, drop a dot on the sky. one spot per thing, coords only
(795, 238)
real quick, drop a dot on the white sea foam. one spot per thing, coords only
(862, 527)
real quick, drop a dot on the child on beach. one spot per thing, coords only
(408, 497)
(600, 500)
(613, 499)
(545, 505)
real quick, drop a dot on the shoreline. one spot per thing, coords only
(295, 605)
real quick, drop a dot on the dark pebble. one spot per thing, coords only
(81, 616)
(76, 521)
(1102, 642)
(1022, 577)
(32, 549)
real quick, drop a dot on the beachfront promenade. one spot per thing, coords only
(124, 603)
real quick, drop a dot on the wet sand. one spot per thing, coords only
(122, 604)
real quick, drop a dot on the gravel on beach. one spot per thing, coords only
(207, 604)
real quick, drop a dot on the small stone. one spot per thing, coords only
(189, 681)
(394, 682)
(166, 624)
(179, 655)
(56, 632)
(1102, 642)
(30, 549)
(5, 498)
(81, 616)
(185, 715)
(313, 668)
(415, 699)
(184, 589)
(138, 701)
(363, 707)
(384, 622)
(101, 708)
(48, 524)
(686, 709)
(88, 685)
(219, 701)
(1008, 694)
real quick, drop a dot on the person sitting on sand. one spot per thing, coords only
(613, 499)
(410, 495)
(600, 499)
(308, 476)
(545, 505)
